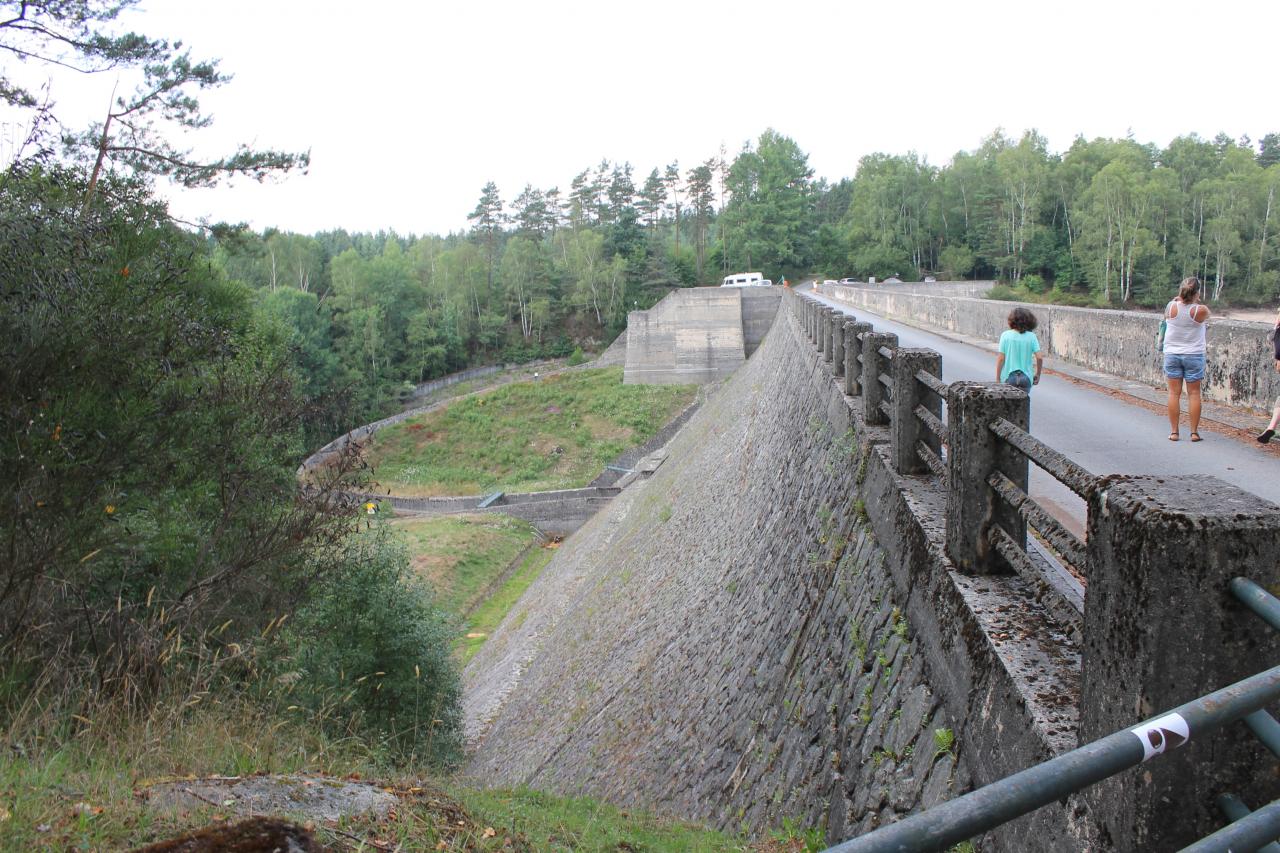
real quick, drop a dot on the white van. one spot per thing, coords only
(746, 279)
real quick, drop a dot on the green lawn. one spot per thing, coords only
(555, 433)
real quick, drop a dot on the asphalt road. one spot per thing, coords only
(1104, 434)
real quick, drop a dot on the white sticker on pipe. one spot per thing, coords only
(1164, 733)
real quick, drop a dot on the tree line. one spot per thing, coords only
(1108, 222)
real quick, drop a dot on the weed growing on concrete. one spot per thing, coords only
(860, 510)
(963, 847)
(944, 740)
(664, 514)
(900, 624)
(792, 837)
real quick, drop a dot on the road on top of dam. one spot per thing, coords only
(1095, 429)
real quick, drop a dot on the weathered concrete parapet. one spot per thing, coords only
(974, 453)
(828, 333)
(906, 429)
(874, 364)
(837, 343)
(1161, 629)
(853, 355)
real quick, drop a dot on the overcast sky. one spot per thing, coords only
(408, 108)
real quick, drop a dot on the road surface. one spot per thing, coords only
(1104, 434)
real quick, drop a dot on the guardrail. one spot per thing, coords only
(1150, 542)
(1000, 802)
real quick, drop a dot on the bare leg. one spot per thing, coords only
(1193, 405)
(1275, 417)
(1175, 393)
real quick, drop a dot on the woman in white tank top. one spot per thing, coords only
(1184, 349)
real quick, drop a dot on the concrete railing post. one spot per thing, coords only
(1161, 629)
(874, 364)
(852, 354)
(974, 452)
(820, 322)
(809, 308)
(905, 429)
(837, 344)
(828, 329)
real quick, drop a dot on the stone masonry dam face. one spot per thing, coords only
(724, 642)
(771, 627)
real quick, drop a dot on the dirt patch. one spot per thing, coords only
(603, 428)
(433, 568)
(315, 798)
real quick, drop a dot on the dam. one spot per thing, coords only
(773, 627)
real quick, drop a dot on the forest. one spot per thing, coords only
(1109, 222)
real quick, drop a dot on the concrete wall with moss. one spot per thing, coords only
(766, 630)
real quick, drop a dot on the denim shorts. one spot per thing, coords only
(1189, 366)
(1018, 379)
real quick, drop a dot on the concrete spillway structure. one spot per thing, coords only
(697, 335)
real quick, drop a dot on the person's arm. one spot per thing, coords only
(1200, 312)
(999, 365)
(1035, 380)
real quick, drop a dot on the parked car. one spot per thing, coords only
(850, 281)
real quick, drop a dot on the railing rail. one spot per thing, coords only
(1000, 802)
(1075, 477)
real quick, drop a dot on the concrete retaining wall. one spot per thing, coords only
(1121, 343)
(560, 512)
(697, 335)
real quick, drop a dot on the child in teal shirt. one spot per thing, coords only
(1019, 348)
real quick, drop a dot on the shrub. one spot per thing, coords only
(577, 357)
(371, 651)
(151, 432)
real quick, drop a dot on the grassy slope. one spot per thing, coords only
(80, 795)
(556, 433)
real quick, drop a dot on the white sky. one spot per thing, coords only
(408, 108)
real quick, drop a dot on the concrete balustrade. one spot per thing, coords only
(829, 316)
(837, 343)
(873, 364)
(905, 428)
(853, 357)
(974, 453)
(1160, 629)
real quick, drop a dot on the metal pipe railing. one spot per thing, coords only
(1258, 600)
(1255, 831)
(1000, 802)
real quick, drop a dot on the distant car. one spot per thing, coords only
(893, 279)
(830, 281)
(850, 281)
(929, 279)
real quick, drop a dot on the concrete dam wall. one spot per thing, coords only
(1121, 343)
(766, 629)
(698, 335)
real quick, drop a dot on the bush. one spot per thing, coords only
(577, 357)
(370, 652)
(151, 432)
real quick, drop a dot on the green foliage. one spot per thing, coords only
(140, 123)
(372, 651)
(576, 357)
(152, 429)
(943, 741)
(794, 837)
